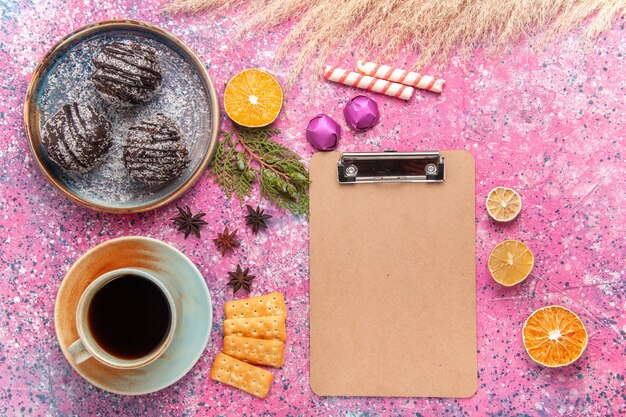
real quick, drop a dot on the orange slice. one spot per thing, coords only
(253, 98)
(554, 336)
(510, 262)
(503, 204)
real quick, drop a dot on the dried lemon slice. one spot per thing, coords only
(510, 262)
(554, 336)
(253, 98)
(503, 204)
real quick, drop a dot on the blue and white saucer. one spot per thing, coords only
(191, 297)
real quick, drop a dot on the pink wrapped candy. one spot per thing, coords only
(361, 113)
(323, 133)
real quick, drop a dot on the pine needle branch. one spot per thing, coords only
(245, 156)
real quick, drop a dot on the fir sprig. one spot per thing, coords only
(245, 156)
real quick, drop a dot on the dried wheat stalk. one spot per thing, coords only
(377, 29)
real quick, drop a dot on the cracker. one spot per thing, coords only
(270, 328)
(256, 351)
(241, 375)
(266, 305)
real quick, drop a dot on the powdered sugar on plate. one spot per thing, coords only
(183, 97)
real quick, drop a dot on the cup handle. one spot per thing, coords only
(78, 352)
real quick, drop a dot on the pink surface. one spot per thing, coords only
(550, 125)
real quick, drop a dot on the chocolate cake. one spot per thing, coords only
(154, 152)
(127, 73)
(77, 137)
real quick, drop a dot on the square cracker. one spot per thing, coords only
(241, 375)
(271, 327)
(256, 351)
(266, 305)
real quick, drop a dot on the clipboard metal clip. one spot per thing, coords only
(374, 167)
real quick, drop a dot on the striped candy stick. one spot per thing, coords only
(354, 79)
(414, 79)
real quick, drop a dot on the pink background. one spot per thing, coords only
(549, 124)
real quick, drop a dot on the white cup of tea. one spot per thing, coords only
(125, 318)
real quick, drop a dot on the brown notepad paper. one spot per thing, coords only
(393, 284)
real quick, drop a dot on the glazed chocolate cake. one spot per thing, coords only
(127, 73)
(154, 152)
(77, 138)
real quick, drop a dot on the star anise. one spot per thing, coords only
(240, 279)
(188, 222)
(226, 241)
(256, 218)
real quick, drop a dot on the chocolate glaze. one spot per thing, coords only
(127, 72)
(77, 138)
(154, 152)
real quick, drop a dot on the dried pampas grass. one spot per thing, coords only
(377, 29)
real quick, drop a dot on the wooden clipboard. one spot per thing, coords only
(392, 274)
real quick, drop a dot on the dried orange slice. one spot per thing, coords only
(554, 336)
(510, 262)
(253, 98)
(503, 204)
